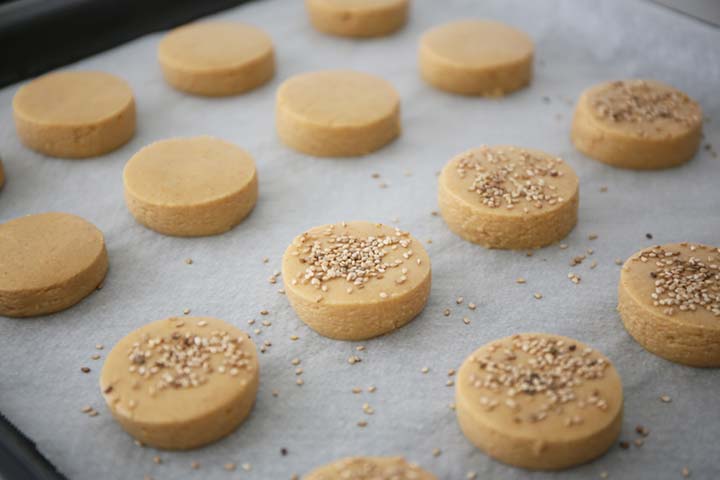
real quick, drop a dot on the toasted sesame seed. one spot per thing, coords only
(264, 312)
(520, 280)
(472, 306)
(466, 320)
(300, 382)
(294, 337)
(446, 312)
(538, 295)
(230, 467)
(362, 424)
(425, 370)
(603, 189)
(593, 236)
(451, 372)
(295, 361)
(195, 465)
(624, 444)
(372, 389)
(459, 300)
(436, 452)
(189, 261)
(84, 369)
(86, 409)
(95, 356)
(186, 311)
(665, 399)
(638, 442)
(99, 346)
(360, 348)
(157, 460)
(356, 390)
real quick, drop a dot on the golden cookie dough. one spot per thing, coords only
(638, 124)
(216, 58)
(476, 57)
(163, 408)
(356, 280)
(539, 401)
(358, 18)
(190, 187)
(669, 301)
(75, 114)
(370, 468)
(509, 197)
(50, 261)
(337, 113)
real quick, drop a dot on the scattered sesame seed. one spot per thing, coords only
(189, 261)
(157, 460)
(294, 337)
(472, 306)
(451, 406)
(449, 383)
(436, 452)
(84, 369)
(685, 472)
(665, 398)
(538, 296)
(264, 312)
(642, 430)
(360, 348)
(604, 475)
(471, 475)
(563, 246)
(356, 390)
(295, 361)
(375, 175)
(638, 442)
(283, 451)
(372, 389)
(592, 236)
(353, 359)
(186, 311)
(95, 356)
(603, 189)
(466, 320)
(521, 280)
(624, 444)
(446, 312)
(247, 467)
(425, 370)
(99, 346)
(230, 467)
(362, 424)
(451, 372)
(86, 409)
(299, 382)
(618, 261)
(459, 300)
(195, 465)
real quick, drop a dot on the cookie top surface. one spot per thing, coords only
(510, 181)
(338, 98)
(72, 98)
(370, 468)
(141, 379)
(354, 263)
(679, 280)
(478, 43)
(540, 386)
(359, 4)
(643, 108)
(188, 171)
(214, 46)
(40, 251)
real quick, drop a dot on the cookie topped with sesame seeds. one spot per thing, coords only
(669, 301)
(370, 468)
(639, 124)
(356, 280)
(508, 197)
(539, 401)
(181, 383)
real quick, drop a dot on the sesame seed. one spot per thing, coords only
(685, 472)
(665, 399)
(521, 280)
(99, 346)
(425, 370)
(356, 390)
(372, 389)
(471, 475)
(472, 306)
(618, 261)
(95, 356)
(299, 382)
(86, 409)
(186, 311)
(294, 337)
(624, 444)
(247, 467)
(592, 236)
(84, 369)
(459, 300)
(360, 348)
(264, 312)
(157, 460)
(195, 465)
(353, 359)
(230, 467)
(362, 424)
(436, 452)
(538, 295)
(446, 312)
(189, 261)
(603, 189)
(466, 320)
(295, 361)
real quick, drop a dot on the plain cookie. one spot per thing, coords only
(48, 262)
(190, 186)
(337, 113)
(669, 301)
(356, 280)
(358, 18)
(74, 114)
(638, 124)
(508, 197)
(476, 57)
(181, 383)
(539, 401)
(216, 58)
(370, 468)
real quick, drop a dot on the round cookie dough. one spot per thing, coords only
(476, 57)
(669, 301)
(509, 197)
(358, 18)
(165, 409)
(370, 468)
(216, 58)
(539, 401)
(190, 187)
(337, 113)
(74, 114)
(50, 261)
(356, 280)
(638, 124)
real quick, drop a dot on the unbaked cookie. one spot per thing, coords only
(509, 197)
(476, 57)
(356, 280)
(669, 301)
(216, 58)
(181, 383)
(190, 186)
(74, 114)
(370, 468)
(539, 401)
(639, 124)
(50, 262)
(337, 113)
(358, 18)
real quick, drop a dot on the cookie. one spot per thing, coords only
(74, 114)
(358, 18)
(356, 280)
(181, 383)
(669, 301)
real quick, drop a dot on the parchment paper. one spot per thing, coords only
(579, 43)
